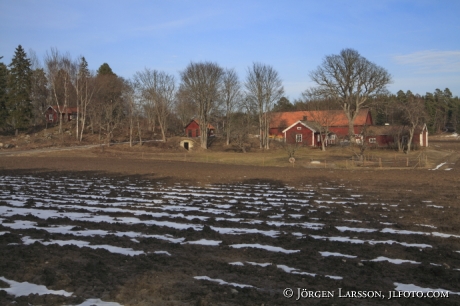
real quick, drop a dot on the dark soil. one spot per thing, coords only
(402, 199)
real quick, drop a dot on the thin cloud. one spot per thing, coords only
(176, 24)
(430, 61)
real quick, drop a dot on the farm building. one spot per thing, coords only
(67, 113)
(334, 120)
(193, 129)
(390, 135)
(306, 126)
(307, 133)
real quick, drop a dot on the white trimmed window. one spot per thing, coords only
(372, 140)
(298, 138)
(50, 117)
(299, 128)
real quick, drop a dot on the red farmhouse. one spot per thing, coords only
(306, 126)
(335, 121)
(193, 129)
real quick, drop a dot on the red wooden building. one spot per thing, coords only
(389, 135)
(67, 113)
(193, 129)
(305, 126)
(335, 120)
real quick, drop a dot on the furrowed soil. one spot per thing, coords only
(143, 231)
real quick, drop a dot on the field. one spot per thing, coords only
(124, 227)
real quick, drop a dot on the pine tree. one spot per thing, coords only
(19, 88)
(3, 94)
(105, 70)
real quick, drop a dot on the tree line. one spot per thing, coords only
(154, 101)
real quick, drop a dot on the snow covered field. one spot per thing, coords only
(258, 238)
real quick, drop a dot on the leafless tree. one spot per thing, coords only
(414, 113)
(165, 98)
(158, 91)
(231, 97)
(322, 120)
(263, 89)
(291, 145)
(109, 107)
(240, 129)
(202, 83)
(350, 80)
(62, 71)
(86, 90)
(146, 82)
(131, 96)
(185, 109)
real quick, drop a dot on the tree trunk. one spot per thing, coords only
(139, 132)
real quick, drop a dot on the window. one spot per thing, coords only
(298, 138)
(372, 140)
(50, 117)
(299, 128)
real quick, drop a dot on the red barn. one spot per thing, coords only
(193, 129)
(68, 113)
(388, 135)
(335, 120)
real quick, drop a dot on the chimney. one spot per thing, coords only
(304, 118)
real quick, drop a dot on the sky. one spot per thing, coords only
(417, 42)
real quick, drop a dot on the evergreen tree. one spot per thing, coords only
(105, 70)
(19, 88)
(39, 95)
(3, 94)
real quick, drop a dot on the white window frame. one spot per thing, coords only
(299, 128)
(298, 138)
(372, 140)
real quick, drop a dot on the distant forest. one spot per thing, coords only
(156, 101)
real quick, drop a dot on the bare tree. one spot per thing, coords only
(158, 90)
(414, 113)
(231, 97)
(184, 108)
(263, 89)
(165, 96)
(86, 90)
(350, 80)
(108, 108)
(322, 121)
(131, 94)
(202, 84)
(61, 70)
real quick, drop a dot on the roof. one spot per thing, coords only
(392, 129)
(210, 126)
(64, 110)
(335, 117)
(307, 124)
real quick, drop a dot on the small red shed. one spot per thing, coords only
(193, 129)
(68, 113)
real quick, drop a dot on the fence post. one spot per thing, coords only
(380, 162)
(407, 162)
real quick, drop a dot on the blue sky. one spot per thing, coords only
(418, 42)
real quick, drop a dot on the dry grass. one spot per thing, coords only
(44, 142)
